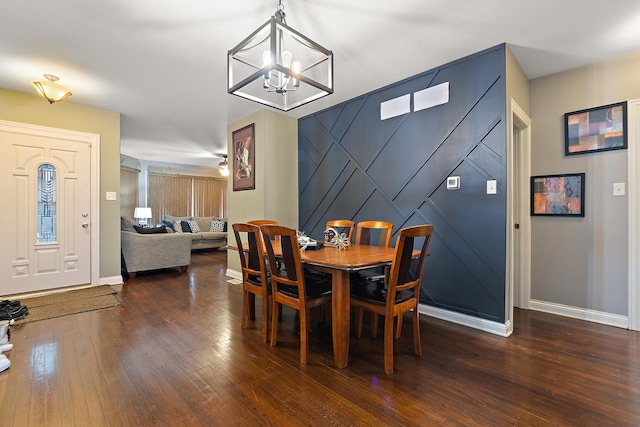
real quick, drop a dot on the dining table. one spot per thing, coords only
(340, 263)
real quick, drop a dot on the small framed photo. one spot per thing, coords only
(596, 129)
(244, 177)
(559, 195)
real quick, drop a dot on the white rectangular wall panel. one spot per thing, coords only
(430, 97)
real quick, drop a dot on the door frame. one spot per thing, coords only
(93, 141)
(633, 176)
(518, 132)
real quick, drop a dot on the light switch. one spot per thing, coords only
(492, 186)
(111, 195)
(618, 189)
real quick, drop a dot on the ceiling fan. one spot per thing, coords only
(224, 165)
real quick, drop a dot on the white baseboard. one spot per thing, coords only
(580, 313)
(502, 329)
(113, 280)
(234, 274)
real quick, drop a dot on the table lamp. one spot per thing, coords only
(142, 214)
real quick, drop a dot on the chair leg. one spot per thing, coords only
(265, 318)
(358, 317)
(304, 343)
(416, 332)
(374, 325)
(245, 309)
(399, 326)
(388, 345)
(274, 323)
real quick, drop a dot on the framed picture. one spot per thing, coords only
(596, 129)
(244, 177)
(560, 195)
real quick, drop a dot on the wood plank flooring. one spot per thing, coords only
(174, 355)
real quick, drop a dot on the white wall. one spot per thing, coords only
(582, 262)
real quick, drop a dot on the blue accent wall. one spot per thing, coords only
(353, 165)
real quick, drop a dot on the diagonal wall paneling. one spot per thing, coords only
(353, 165)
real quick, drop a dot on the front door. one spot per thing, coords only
(45, 178)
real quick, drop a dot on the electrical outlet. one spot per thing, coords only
(111, 195)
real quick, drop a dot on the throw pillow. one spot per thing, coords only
(185, 226)
(126, 224)
(193, 225)
(151, 230)
(217, 225)
(178, 226)
(169, 224)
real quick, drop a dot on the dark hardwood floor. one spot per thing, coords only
(174, 355)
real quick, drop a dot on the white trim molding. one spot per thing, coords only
(633, 194)
(496, 328)
(234, 274)
(580, 313)
(112, 280)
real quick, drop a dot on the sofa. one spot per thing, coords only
(151, 248)
(206, 232)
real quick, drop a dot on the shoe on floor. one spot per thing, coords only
(4, 362)
(5, 347)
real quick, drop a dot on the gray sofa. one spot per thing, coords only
(204, 239)
(142, 252)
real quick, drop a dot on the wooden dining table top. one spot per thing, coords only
(352, 258)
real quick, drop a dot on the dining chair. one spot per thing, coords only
(373, 233)
(260, 222)
(342, 226)
(254, 274)
(403, 290)
(368, 229)
(289, 285)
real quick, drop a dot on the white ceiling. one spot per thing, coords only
(162, 64)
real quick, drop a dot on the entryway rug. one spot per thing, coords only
(69, 302)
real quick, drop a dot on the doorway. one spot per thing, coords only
(48, 180)
(518, 286)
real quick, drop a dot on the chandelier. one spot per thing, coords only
(279, 67)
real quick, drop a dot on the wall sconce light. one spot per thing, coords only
(50, 90)
(224, 166)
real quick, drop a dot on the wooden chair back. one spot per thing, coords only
(402, 290)
(365, 230)
(342, 226)
(288, 282)
(254, 273)
(260, 222)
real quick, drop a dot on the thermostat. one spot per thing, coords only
(453, 183)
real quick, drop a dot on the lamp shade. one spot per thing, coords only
(50, 90)
(142, 213)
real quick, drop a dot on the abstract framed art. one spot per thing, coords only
(244, 177)
(558, 195)
(596, 129)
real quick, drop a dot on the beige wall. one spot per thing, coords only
(582, 262)
(517, 83)
(25, 108)
(276, 171)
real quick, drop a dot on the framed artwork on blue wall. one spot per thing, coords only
(558, 195)
(596, 129)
